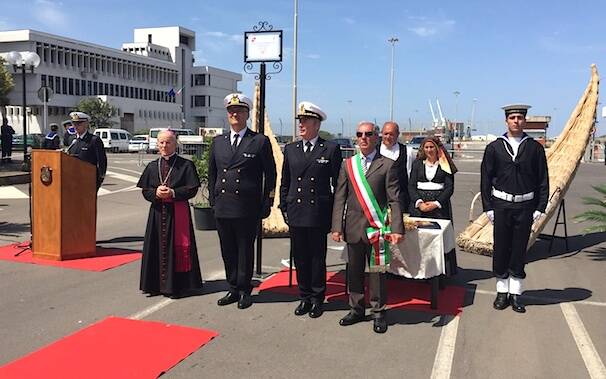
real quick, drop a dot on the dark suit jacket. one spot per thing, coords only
(90, 149)
(383, 180)
(306, 195)
(235, 184)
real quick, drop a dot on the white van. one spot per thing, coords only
(153, 136)
(114, 140)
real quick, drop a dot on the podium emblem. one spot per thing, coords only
(46, 175)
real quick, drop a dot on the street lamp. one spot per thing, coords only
(457, 93)
(393, 41)
(25, 60)
(349, 114)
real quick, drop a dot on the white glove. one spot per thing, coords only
(490, 215)
(536, 215)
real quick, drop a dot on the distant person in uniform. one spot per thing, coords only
(87, 146)
(309, 174)
(170, 258)
(402, 155)
(366, 190)
(52, 140)
(69, 133)
(515, 189)
(6, 139)
(240, 162)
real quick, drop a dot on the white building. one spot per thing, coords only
(138, 80)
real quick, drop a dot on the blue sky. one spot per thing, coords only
(497, 52)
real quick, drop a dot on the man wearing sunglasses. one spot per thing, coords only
(87, 146)
(239, 161)
(366, 188)
(309, 174)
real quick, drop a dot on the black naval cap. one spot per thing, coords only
(516, 108)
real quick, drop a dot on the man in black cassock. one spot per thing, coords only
(170, 259)
(515, 191)
(239, 161)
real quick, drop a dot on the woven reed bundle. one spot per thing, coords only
(274, 225)
(563, 159)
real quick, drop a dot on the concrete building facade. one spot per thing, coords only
(152, 81)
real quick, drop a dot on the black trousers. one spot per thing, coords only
(237, 239)
(511, 233)
(358, 256)
(309, 251)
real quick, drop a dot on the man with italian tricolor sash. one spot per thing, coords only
(367, 192)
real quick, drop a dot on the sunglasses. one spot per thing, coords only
(366, 134)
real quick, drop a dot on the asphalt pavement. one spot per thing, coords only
(561, 335)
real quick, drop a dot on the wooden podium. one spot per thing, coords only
(64, 206)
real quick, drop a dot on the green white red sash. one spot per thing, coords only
(377, 217)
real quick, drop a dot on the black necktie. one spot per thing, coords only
(308, 147)
(234, 145)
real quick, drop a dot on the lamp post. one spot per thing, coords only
(393, 41)
(350, 127)
(25, 60)
(457, 93)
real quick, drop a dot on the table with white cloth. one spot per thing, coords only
(421, 254)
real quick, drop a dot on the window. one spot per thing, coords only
(199, 80)
(199, 101)
(42, 80)
(104, 134)
(114, 135)
(77, 85)
(89, 87)
(111, 89)
(60, 57)
(71, 87)
(95, 88)
(83, 87)
(64, 86)
(149, 38)
(123, 136)
(57, 84)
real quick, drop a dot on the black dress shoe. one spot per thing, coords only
(351, 318)
(230, 298)
(379, 325)
(516, 304)
(502, 301)
(245, 301)
(316, 310)
(303, 307)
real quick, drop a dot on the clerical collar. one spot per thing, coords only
(312, 141)
(168, 157)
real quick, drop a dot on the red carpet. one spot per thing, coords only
(105, 259)
(112, 348)
(401, 294)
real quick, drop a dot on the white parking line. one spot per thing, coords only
(592, 360)
(127, 170)
(149, 310)
(442, 365)
(126, 178)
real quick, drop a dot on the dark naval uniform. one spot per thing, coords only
(514, 187)
(239, 201)
(306, 199)
(51, 141)
(401, 166)
(89, 148)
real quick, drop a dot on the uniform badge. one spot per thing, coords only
(322, 160)
(46, 175)
(249, 155)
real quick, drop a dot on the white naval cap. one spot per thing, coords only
(516, 108)
(308, 109)
(237, 99)
(79, 116)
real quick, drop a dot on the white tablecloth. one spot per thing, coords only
(421, 254)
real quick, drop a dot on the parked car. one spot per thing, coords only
(344, 143)
(114, 140)
(138, 143)
(153, 136)
(33, 140)
(415, 144)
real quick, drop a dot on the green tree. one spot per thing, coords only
(6, 85)
(100, 112)
(597, 216)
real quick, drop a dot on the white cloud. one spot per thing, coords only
(426, 27)
(50, 13)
